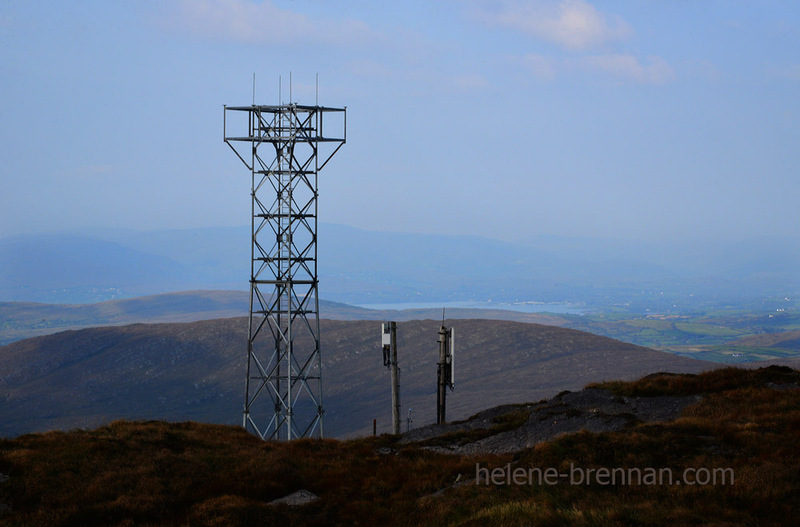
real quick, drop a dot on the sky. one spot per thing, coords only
(510, 119)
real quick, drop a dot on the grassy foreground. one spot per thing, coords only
(747, 425)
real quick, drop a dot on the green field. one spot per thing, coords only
(707, 336)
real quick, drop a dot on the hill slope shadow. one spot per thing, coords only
(195, 371)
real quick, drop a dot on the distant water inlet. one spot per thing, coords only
(522, 307)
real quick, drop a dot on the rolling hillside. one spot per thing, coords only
(195, 371)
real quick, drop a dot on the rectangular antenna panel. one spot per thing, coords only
(386, 335)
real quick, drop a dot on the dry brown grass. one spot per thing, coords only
(156, 473)
(708, 382)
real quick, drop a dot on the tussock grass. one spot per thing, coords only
(708, 382)
(157, 473)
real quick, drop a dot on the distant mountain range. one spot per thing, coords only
(364, 267)
(22, 320)
(728, 337)
(195, 371)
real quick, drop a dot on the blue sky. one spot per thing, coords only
(662, 119)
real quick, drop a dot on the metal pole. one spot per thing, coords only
(320, 412)
(287, 240)
(441, 391)
(251, 133)
(395, 382)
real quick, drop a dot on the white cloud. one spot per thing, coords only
(628, 67)
(574, 24)
(621, 67)
(581, 28)
(264, 23)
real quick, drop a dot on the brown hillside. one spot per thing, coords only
(728, 458)
(195, 371)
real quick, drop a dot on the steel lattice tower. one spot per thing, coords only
(284, 149)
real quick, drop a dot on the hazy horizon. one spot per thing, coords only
(733, 238)
(376, 267)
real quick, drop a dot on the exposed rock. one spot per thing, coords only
(295, 499)
(592, 409)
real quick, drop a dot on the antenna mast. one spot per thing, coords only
(284, 148)
(445, 370)
(389, 341)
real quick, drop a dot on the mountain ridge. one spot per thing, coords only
(21, 320)
(180, 371)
